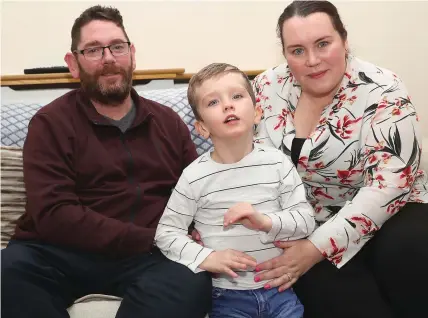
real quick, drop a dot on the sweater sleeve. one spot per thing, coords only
(52, 202)
(296, 220)
(171, 235)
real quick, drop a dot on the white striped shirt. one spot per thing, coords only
(266, 179)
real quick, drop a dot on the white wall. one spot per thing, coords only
(191, 34)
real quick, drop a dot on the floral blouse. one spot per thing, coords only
(360, 165)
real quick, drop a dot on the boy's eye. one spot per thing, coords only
(237, 96)
(212, 103)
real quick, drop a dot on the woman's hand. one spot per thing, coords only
(283, 271)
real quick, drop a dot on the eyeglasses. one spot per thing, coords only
(97, 53)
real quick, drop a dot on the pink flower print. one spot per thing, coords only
(372, 159)
(364, 225)
(303, 161)
(344, 128)
(408, 177)
(344, 175)
(336, 254)
(319, 193)
(352, 99)
(379, 178)
(386, 157)
(317, 207)
(319, 165)
(280, 79)
(396, 111)
(281, 118)
(379, 146)
(395, 206)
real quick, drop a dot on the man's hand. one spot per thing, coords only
(227, 260)
(245, 214)
(283, 271)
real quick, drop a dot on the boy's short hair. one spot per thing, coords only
(209, 72)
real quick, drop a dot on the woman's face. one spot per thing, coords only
(315, 52)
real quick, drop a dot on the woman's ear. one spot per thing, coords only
(346, 45)
(201, 129)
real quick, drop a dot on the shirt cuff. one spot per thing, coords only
(194, 267)
(337, 240)
(270, 237)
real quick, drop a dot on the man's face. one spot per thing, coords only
(108, 79)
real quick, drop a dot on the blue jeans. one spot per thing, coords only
(260, 303)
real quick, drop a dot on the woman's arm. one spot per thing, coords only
(390, 159)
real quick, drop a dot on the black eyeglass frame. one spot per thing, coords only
(103, 50)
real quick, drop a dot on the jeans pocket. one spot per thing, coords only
(217, 292)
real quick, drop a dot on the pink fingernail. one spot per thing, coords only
(267, 286)
(257, 269)
(256, 279)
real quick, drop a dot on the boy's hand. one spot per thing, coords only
(245, 214)
(227, 260)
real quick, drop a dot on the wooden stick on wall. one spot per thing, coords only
(64, 78)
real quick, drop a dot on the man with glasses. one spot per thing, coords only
(99, 165)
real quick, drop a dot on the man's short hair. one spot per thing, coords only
(209, 72)
(97, 12)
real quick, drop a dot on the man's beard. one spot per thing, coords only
(107, 94)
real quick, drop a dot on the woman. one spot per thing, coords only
(353, 133)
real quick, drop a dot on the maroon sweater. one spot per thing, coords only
(91, 187)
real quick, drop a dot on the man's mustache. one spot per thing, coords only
(110, 69)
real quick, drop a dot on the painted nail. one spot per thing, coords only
(256, 279)
(267, 286)
(257, 269)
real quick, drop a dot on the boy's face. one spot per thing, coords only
(226, 108)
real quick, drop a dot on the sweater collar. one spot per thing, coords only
(142, 115)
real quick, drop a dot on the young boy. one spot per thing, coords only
(241, 196)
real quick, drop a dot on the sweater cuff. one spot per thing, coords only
(270, 237)
(194, 267)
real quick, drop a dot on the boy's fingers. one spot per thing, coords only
(246, 256)
(237, 265)
(246, 261)
(230, 272)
